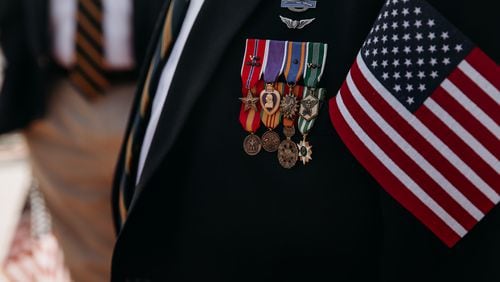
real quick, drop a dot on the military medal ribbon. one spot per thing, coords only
(270, 98)
(313, 97)
(251, 71)
(293, 69)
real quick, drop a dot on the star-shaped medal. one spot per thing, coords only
(250, 102)
(289, 106)
(305, 151)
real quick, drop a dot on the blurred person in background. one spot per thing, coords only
(69, 81)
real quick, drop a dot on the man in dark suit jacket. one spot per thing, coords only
(74, 139)
(200, 209)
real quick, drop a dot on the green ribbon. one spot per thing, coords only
(312, 97)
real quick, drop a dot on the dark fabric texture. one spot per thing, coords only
(205, 211)
(25, 38)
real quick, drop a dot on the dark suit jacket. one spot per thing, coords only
(205, 211)
(25, 39)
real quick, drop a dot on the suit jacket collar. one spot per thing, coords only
(217, 23)
(37, 22)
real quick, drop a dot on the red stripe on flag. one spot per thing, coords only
(468, 121)
(485, 66)
(408, 165)
(476, 94)
(429, 152)
(443, 132)
(388, 181)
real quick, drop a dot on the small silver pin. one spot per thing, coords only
(294, 24)
(298, 5)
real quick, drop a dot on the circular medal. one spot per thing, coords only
(270, 141)
(252, 145)
(288, 153)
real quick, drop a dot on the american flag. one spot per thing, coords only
(420, 110)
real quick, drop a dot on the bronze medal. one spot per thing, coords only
(250, 102)
(270, 141)
(252, 145)
(289, 106)
(288, 154)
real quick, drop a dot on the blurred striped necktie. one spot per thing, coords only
(88, 75)
(171, 28)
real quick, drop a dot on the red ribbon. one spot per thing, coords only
(250, 75)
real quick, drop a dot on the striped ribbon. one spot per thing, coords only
(315, 66)
(315, 63)
(273, 66)
(171, 28)
(293, 70)
(295, 60)
(251, 71)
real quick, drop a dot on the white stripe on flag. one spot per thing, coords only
(462, 133)
(480, 81)
(404, 178)
(413, 154)
(426, 133)
(471, 107)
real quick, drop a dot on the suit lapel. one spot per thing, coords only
(37, 21)
(217, 23)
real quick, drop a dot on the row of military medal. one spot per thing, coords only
(267, 101)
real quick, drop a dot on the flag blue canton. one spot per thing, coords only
(411, 49)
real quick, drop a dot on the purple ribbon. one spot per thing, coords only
(275, 57)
